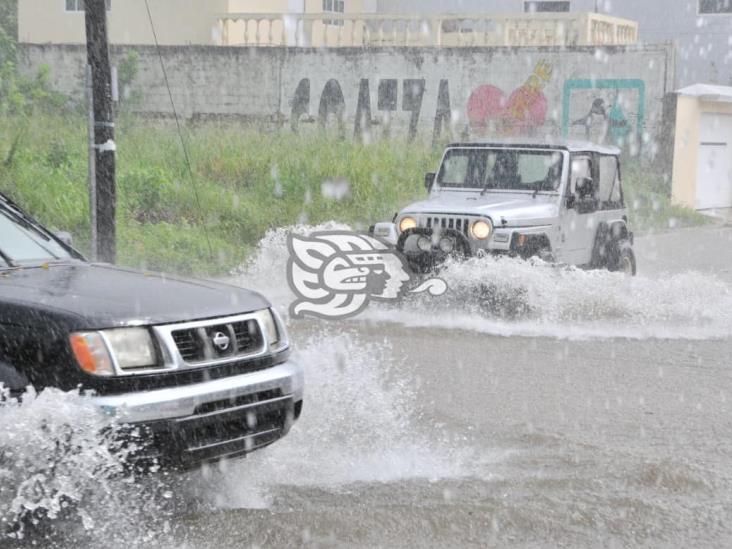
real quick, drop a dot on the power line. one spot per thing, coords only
(180, 131)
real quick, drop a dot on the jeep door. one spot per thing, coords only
(610, 206)
(578, 224)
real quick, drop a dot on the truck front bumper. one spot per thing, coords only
(187, 425)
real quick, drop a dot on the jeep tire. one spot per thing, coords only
(623, 259)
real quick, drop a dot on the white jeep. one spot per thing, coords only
(559, 200)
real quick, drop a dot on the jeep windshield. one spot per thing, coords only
(23, 242)
(501, 169)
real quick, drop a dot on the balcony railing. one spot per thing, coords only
(365, 30)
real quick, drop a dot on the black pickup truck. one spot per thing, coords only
(203, 366)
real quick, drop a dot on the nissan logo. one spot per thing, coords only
(221, 341)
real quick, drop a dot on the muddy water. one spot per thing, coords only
(590, 411)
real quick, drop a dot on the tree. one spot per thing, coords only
(9, 18)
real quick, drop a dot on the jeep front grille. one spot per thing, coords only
(460, 224)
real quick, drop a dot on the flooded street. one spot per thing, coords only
(599, 420)
(434, 435)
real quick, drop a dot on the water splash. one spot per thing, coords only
(507, 296)
(63, 476)
(358, 425)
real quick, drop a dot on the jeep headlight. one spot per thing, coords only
(274, 332)
(481, 229)
(97, 352)
(407, 223)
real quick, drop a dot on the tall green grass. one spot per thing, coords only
(244, 181)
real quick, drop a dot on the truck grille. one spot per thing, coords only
(459, 224)
(218, 341)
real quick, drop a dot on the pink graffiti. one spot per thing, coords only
(523, 112)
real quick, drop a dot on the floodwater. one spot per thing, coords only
(572, 409)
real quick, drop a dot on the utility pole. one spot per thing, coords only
(105, 148)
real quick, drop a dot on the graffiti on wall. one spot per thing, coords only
(332, 105)
(522, 113)
(603, 111)
(608, 111)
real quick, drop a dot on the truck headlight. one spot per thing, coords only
(407, 223)
(274, 332)
(131, 347)
(96, 352)
(481, 230)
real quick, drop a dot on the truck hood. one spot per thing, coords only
(518, 209)
(104, 296)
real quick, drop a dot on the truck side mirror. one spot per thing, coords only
(429, 180)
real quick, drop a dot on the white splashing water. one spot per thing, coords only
(59, 471)
(505, 296)
(358, 425)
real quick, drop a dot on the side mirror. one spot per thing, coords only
(429, 181)
(585, 187)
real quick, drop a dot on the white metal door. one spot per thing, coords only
(577, 229)
(714, 173)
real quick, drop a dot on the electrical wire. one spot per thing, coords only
(180, 131)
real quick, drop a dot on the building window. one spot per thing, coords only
(550, 6)
(78, 5)
(715, 7)
(334, 6)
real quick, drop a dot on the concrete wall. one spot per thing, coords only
(612, 95)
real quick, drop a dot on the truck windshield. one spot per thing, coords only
(23, 242)
(504, 169)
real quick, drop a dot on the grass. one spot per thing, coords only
(245, 181)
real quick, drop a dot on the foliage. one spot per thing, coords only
(9, 18)
(244, 182)
(126, 73)
(20, 94)
(647, 196)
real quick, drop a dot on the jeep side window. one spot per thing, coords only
(609, 186)
(581, 168)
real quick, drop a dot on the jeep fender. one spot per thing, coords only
(12, 379)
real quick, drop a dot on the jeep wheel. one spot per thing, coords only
(625, 261)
